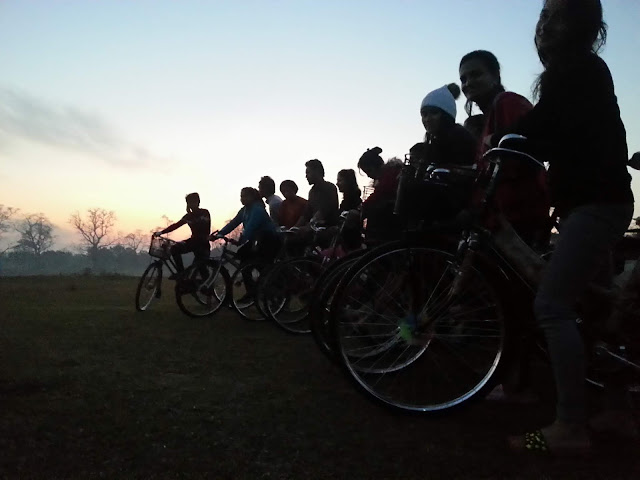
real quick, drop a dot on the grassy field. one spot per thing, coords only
(90, 388)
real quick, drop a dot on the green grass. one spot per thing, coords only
(91, 388)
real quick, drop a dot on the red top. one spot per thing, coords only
(523, 194)
(386, 186)
(291, 209)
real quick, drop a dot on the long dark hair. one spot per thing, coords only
(351, 183)
(492, 65)
(254, 195)
(587, 33)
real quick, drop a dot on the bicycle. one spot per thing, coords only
(287, 289)
(426, 325)
(198, 290)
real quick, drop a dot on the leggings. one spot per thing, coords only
(587, 236)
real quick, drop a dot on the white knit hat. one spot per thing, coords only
(441, 98)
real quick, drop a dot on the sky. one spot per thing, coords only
(130, 105)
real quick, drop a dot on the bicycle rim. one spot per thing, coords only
(406, 341)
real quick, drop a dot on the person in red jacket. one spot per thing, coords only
(523, 196)
(377, 209)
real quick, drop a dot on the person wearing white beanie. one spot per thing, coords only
(450, 143)
(443, 98)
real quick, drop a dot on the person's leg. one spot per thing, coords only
(586, 237)
(176, 253)
(246, 255)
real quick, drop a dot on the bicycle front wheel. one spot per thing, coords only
(244, 291)
(408, 338)
(149, 286)
(288, 291)
(201, 290)
(319, 310)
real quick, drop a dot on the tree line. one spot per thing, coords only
(100, 248)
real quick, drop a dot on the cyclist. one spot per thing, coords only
(259, 240)
(351, 193)
(199, 222)
(446, 143)
(377, 209)
(293, 206)
(590, 187)
(322, 206)
(267, 189)
(524, 198)
(351, 202)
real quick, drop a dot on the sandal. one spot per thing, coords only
(537, 442)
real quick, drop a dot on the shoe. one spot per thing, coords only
(554, 440)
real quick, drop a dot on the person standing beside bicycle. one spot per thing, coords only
(576, 127)
(199, 222)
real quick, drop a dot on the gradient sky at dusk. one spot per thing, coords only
(129, 105)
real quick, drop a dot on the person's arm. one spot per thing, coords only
(634, 161)
(231, 226)
(173, 226)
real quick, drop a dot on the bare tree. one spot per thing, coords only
(134, 240)
(35, 234)
(167, 222)
(95, 230)
(6, 213)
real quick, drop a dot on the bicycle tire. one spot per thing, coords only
(194, 297)
(289, 291)
(149, 286)
(243, 300)
(440, 356)
(319, 310)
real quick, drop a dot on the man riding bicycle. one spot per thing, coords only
(199, 221)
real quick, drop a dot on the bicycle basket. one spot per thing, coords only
(159, 248)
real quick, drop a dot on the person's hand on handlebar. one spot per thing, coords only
(634, 161)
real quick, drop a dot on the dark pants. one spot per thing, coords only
(264, 250)
(199, 248)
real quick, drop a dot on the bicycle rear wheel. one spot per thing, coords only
(200, 295)
(149, 286)
(410, 343)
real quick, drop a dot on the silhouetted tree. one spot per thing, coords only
(35, 234)
(95, 230)
(6, 213)
(135, 240)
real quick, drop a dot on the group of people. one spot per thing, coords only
(579, 134)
